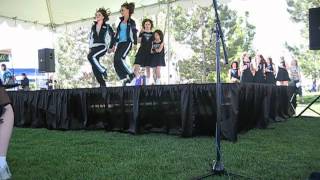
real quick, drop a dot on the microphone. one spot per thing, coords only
(215, 4)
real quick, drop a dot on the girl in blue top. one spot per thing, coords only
(126, 36)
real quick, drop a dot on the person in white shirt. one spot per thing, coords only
(6, 125)
(295, 77)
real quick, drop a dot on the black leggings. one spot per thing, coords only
(297, 91)
(97, 68)
(120, 65)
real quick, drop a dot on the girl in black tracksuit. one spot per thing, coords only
(126, 36)
(101, 39)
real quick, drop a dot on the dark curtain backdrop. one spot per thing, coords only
(186, 110)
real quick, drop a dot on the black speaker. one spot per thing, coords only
(314, 28)
(46, 60)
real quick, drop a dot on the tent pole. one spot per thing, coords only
(168, 26)
(50, 14)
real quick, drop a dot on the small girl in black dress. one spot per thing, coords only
(143, 57)
(234, 72)
(270, 72)
(260, 69)
(282, 75)
(246, 67)
(157, 52)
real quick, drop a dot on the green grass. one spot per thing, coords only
(288, 150)
(305, 100)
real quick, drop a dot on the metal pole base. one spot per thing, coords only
(220, 173)
(308, 107)
(218, 168)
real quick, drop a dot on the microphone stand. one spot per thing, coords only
(217, 165)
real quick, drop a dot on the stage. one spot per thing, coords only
(187, 110)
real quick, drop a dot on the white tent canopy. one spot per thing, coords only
(55, 13)
(59, 12)
(62, 15)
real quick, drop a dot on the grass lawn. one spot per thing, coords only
(287, 150)
(308, 98)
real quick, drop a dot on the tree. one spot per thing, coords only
(74, 70)
(299, 9)
(71, 56)
(309, 60)
(194, 28)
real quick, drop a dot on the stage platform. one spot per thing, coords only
(186, 110)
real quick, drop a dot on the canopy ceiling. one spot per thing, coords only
(59, 12)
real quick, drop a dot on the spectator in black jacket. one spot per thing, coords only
(25, 82)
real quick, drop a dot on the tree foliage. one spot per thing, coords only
(74, 70)
(299, 9)
(309, 60)
(194, 28)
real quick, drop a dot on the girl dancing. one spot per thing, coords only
(101, 39)
(157, 52)
(126, 36)
(143, 57)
